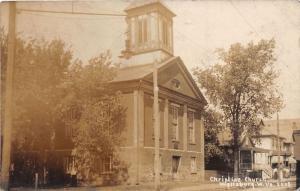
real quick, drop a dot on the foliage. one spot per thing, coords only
(99, 115)
(48, 84)
(39, 68)
(213, 125)
(243, 87)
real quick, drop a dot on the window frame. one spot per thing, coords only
(165, 33)
(142, 31)
(108, 162)
(69, 164)
(175, 121)
(191, 126)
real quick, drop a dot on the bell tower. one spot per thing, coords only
(149, 32)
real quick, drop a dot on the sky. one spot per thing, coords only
(200, 27)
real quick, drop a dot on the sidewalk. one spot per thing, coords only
(175, 186)
(166, 186)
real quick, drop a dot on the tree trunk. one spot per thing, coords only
(236, 149)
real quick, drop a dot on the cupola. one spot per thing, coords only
(149, 31)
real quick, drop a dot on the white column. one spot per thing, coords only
(202, 167)
(166, 124)
(135, 118)
(184, 126)
(141, 118)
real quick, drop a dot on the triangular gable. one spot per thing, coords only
(247, 142)
(175, 71)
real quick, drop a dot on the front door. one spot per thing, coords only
(175, 165)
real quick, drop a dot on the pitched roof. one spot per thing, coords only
(225, 135)
(295, 133)
(286, 127)
(267, 132)
(138, 72)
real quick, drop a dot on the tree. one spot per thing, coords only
(100, 116)
(39, 68)
(243, 87)
(212, 126)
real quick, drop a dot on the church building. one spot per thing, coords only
(181, 104)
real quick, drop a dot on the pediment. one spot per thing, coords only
(176, 77)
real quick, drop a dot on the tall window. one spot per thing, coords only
(191, 126)
(193, 165)
(142, 31)
(71, 116)
(175, 128)
(158, 116)
(107, 164)
(145, 30)
(175, 164)
(104, 164)
(69, 164)
(165, 33)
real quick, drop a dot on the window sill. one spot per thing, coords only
(175, 141)
(192, 143)
(193, 172)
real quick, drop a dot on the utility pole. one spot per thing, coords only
(6, 151)
(278, 150)
(156, 129)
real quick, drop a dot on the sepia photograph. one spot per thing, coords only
(150, 95)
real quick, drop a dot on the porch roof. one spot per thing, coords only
(274, 159)
(291, 160)
(282, 153)
(258, 150)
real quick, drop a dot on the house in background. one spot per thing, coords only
(296, 138)
(260, 153)
(253, 160)
(286, 143)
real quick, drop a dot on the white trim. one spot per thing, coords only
(192, 110)
(135, 118)
(192, 139)
(166, 124)
(175, 110)
(174, 104)
(185, 127)
(165, 149)
(174, 150)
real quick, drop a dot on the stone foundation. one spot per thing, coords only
(141, 165)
